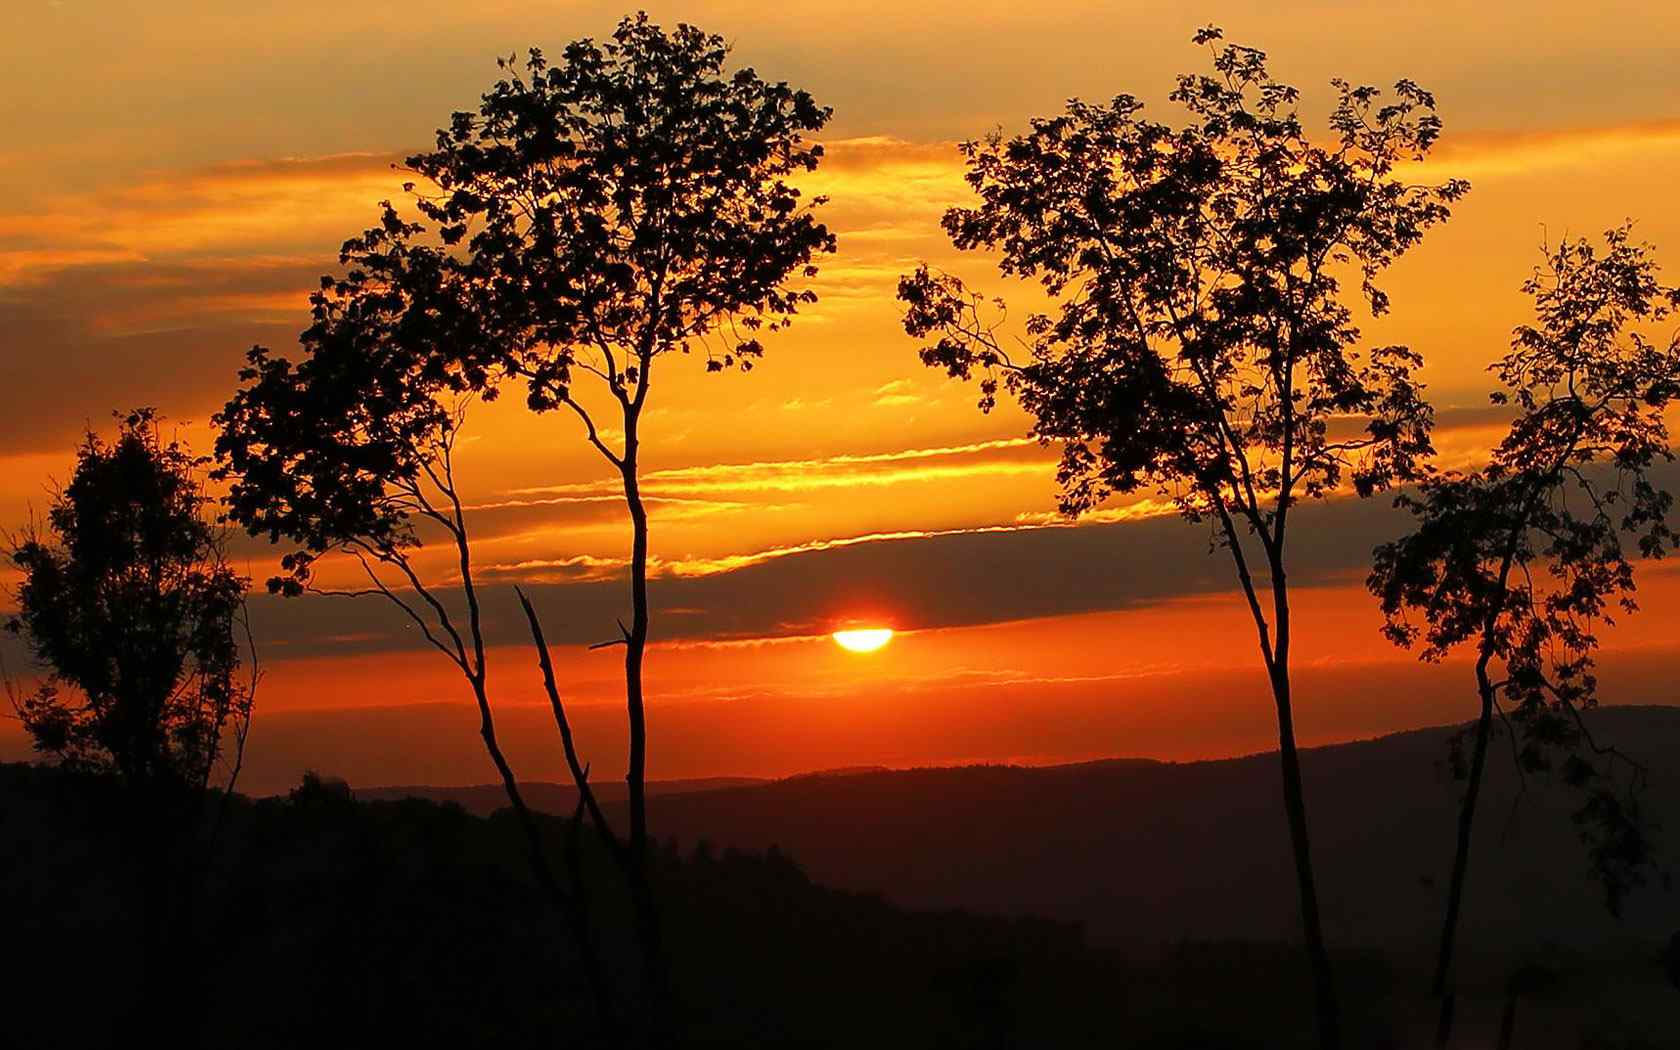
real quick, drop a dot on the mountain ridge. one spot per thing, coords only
(1145, 851)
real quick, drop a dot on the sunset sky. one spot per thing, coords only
(178, 174)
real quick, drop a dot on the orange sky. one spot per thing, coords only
(179, 173)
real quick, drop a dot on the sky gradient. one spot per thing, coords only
(179, 174)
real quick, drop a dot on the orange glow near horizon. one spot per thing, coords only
(1036, 692)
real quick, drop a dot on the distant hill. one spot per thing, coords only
(485, 799)
(1145, 852)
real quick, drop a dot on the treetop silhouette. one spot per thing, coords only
(1199, 344)
(1527, 557)
(128, 600)
(593, 216)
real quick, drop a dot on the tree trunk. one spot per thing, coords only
(1508, 1022)
(571, 905)
(655, 979)
(1461, 858)
(635, 649)
(1274, 649)
(568, 904)
(1328, 1011)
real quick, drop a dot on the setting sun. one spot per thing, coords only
(863, 640)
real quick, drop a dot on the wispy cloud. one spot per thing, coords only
(1528, 152)
(732, 562)
(996, 457)
(578, 567)
(253, 207)
(1138, 510)
(896, 394)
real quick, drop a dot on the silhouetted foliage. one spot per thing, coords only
(625, 204)
(593, 216)
(1525, 557)
(351, 452)
(129, 602)
(1200, 345)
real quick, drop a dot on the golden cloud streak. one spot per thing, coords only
(798, 475)
(869, 175)
(885, 195)
(247, 206)
(589, 567)
(1520, 153)
(602, 568)
(697, 506)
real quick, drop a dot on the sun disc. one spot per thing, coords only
(863, 640)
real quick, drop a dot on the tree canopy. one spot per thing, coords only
(632, 201)
(1199, 344)
(128, 601)
(1529, 556)
(593, 215)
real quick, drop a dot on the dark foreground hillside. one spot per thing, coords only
(331, 922)
(1148, 853)
(328, 921)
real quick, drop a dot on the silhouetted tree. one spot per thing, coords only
(1524, 557)
(591, 218)
(129, 604)
(351, 452)
(1200, 346)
